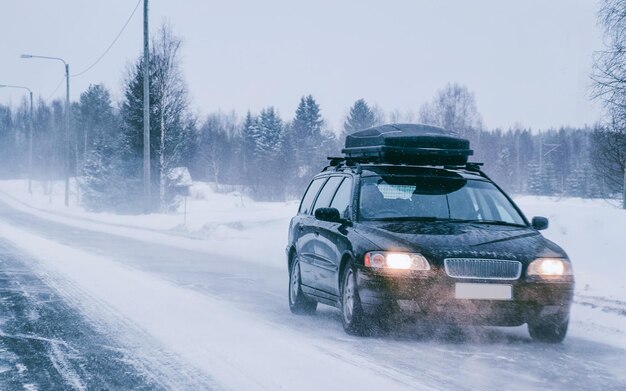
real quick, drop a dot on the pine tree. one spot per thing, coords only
(305, 140)
(95, 118)
(269, 134)
(361, 116)
(535, 183)
(268, 173)
(100, 149)
(307, 124)
(102, 176)
(249, 131)
(575, 184)
(7, 148)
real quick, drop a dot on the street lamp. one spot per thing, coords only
(67, 119)
(30, 135)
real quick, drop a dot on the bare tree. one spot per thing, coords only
(608, 157)
(609, 86)
(454, 108)
(216, 147)
(171, 103)
(397, 116)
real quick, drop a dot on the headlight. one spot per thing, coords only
(550, 267)
(396, 260)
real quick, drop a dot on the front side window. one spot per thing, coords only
(342, 198)
(327, 193)
(309, 196)
(436, 198)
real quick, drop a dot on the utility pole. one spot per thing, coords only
(67, 120)
(553, 147)
(67, 135)
(517, 162)
(147, 182)
(30, 136)
(30, 146)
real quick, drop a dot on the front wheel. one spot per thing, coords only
(298, 303)
(352, 316)
(550, 329)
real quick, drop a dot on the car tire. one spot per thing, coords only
(550, 329)
(353, 318)
(298, 302)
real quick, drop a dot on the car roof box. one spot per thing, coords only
(407, 144)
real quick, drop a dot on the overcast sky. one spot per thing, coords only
(528, 62)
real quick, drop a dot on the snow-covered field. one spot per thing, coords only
(241, 346)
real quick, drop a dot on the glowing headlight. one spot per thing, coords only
(549, 267)
(393, 260)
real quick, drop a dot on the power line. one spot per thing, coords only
(55, 89)
(112, 43)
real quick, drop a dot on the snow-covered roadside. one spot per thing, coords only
(593, 234)
(237, 350)
(223, 224)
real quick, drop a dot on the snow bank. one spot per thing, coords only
(228, 224)
(593, 233)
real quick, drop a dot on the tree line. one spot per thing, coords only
(609, 82)
(265, 155)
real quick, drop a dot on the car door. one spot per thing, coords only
(304, 229)
(324, 263)
(335, 236)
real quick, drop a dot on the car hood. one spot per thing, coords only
(453, 239)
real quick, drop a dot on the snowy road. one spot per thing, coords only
(199, 322)
(47, 345)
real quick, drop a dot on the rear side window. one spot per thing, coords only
(309, 196)
(341, 201)
(327, 193)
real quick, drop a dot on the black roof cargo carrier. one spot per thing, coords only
(407, 144)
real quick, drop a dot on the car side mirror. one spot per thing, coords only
(328, 214)
(539, 223)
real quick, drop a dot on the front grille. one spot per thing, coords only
(490, 269)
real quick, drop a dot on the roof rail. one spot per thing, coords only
(344, 162)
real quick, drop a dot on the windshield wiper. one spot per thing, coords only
(405, 218)
(443, 219)
(418, 218)
(496, 222)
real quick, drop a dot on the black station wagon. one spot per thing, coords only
(403, 223)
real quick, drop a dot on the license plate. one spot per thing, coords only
(483, 291)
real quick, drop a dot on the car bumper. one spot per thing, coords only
(433, 295)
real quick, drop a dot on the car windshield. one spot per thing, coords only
(389, 197)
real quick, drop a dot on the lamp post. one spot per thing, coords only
(30, 135)
(67, 120)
